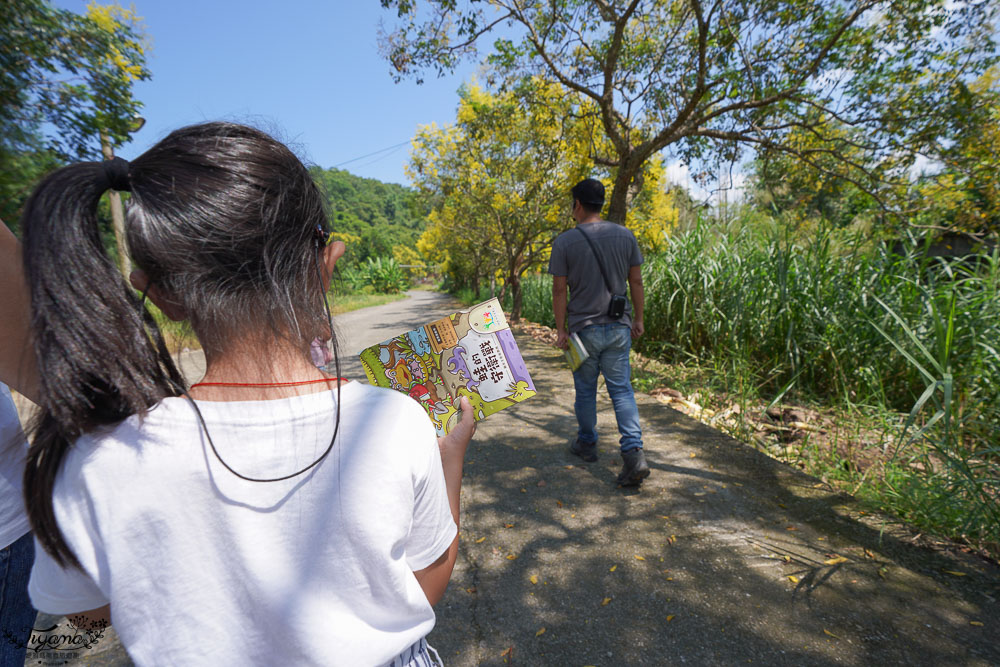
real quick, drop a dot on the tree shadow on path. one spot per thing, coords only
(723, 556)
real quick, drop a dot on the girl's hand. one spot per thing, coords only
(455, 443)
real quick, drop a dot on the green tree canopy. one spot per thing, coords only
(72, 71)
(713, 77)
(958, 190)
(64, 79)
(963, 194)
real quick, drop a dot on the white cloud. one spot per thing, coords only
(678, 173)
(924, 165)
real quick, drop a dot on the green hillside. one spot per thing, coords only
(381, 215)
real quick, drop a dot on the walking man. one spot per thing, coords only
(596, 260)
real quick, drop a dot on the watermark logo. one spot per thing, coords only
(67, 640)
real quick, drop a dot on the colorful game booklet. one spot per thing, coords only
(470, 353)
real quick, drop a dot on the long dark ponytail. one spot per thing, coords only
(223, 218)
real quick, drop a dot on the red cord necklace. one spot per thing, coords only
(265, 384)
(336, 426)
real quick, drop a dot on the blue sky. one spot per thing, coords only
(307, 71)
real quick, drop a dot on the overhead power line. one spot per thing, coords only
(362, 157)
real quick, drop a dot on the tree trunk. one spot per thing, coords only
(621, 194)
(475, 283)
(516, 298)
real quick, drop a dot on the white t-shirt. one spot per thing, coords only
(204, 568)
(13, 518)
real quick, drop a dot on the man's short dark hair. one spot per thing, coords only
(590, 193)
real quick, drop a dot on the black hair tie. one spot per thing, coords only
(320, 235)
(116, 174)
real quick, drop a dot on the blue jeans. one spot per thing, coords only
(16, 613)
(608, 346)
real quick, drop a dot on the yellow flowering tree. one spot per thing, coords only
(811, 186)
(115, 67)
(958, 191)
(498, 183)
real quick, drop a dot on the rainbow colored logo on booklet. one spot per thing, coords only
(469, 353)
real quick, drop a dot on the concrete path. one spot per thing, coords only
(723, 557)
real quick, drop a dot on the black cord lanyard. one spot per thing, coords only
(336, 428)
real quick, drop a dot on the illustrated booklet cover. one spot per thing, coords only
(469, 353)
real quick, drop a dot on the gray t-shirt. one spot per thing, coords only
(573, 258)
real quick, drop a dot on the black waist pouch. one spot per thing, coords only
(616, 309)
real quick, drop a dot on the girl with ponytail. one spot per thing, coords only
(269, 514)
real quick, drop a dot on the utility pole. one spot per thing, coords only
(117, 214)
(115, 200)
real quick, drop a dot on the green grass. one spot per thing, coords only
(468, 297)
(345, 303)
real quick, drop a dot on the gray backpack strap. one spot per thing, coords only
(618, 304)
(600, 264)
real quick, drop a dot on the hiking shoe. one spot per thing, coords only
(635, 468)
(585, 450)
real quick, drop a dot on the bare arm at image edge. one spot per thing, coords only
(638, 300)
(434, 578)
(17, 356)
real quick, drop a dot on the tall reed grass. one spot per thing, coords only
(842, 320)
